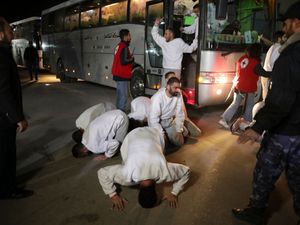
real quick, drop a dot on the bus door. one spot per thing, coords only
(153, 54)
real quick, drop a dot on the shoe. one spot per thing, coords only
(252, 215)
(192, 128)
(18, 194)
(224, 124)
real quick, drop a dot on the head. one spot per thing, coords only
(79, 150)
(135, 124)
(77, 135)
(173, 87)
(6, 32)
(125, 35)
(278, 36)
(169, 34)
(169, 75)
(30, 43)
(196, 9)
(254, 51)
(291, 20)
(147, 195)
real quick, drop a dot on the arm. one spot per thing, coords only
(112, 147)
(155, 114)
(124, 57)
(260, 71)
(180, 116)
(156, 36)
(180, 174)
(189, 48)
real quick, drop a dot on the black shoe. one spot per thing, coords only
(18, 194)
(252, 215)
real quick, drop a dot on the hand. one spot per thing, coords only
(181, 29)
(118, 203)
(172, 199)
(157, 21)
(100, 158)
(22, 125)
(248, 135)
(180, 138)
(239, 125)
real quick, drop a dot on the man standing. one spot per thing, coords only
(172, 49)
(11, 116)
(31, 57)
(166, 112)
(121, 69)
(280, 117)
(193, 29)
(143, 163)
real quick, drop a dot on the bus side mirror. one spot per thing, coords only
(221, 9)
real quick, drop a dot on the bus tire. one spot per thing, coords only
(60, 72)
(137, 83)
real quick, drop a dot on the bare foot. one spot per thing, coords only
(100, 158)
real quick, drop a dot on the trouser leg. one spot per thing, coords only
(249, 104)
(270, 164)
(231, 110)
(293, 171)
(122, 95)
(7, 161)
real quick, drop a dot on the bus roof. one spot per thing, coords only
(26, 20)
(61, 5)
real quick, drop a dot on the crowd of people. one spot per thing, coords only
(144, 133)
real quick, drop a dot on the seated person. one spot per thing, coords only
(143, 164)
(103, 136)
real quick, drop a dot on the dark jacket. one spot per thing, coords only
(281, 113)
(11, 108)
(31, 55)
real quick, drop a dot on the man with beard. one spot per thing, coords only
(121, 69)
(11, 116)
(280, 118)
(166, 112)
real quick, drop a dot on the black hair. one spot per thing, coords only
(135, 124)
(196, 6)
(173, 80)
(77, 136)
(76, 149)
(123, 33)
(277, 34)
(2, 24)
(147, 196)
(171, 29)
(254, 51)
(168, 74)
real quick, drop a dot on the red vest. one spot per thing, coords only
(246, 79)
(119, 70)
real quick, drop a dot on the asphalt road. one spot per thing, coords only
(67, 191)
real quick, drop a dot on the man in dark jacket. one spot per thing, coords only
(11, 116)
(31, 59)
(280, 117)
(121, 70)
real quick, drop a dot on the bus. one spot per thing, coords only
(79, 38)
(26, 30)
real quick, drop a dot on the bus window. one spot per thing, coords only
(137, 11)
(89, 16)
(109, 15)
(72, 18)
(59, 20)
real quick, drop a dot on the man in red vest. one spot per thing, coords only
(121, 69)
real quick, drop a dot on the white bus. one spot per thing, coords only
(79, 38)
(26, 30)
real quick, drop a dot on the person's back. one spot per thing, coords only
(140, 107)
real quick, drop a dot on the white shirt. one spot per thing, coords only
(172, 50)
(271, 56)
(100, 135)
(143, 159)
(91, 113)
(140, 107)
(192, 28)
(164, 109)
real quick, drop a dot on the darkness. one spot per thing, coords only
(17, 10)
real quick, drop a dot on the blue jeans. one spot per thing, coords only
(123, 95)
(237, 100)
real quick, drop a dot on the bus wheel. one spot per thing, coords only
(60, 71)
(137, 83)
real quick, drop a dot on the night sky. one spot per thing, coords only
(17, 10)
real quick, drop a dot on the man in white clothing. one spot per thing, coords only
(166, 112)
(143, 164)
(140, 108)
(271, 56)
(193, 29)
(103, 135)
(172, 49)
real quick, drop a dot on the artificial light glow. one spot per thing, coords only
(106, 77)
(190, 92)
(89, 74)
(219, 92)
(47, 84)
(73, 71)
(66, 69)
(222, 79)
